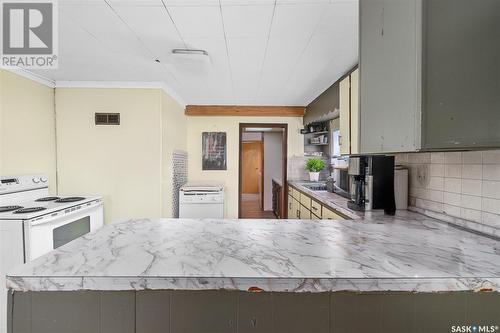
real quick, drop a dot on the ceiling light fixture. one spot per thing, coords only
(190, 52)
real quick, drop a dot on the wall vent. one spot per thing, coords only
(107, 119)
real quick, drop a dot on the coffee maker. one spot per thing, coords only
(372, 183)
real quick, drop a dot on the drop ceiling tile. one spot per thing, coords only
(340, 14)
(246, 2)
(136, 3)
(296, 20)
(153, 27)
(192, 3)
(302, 2)
(104, 25)
(247, 21)
(196, 22)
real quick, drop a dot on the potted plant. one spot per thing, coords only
(314, 166)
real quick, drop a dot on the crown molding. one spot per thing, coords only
(31, 76)
(122, 85)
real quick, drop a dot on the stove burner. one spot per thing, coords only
(4, 209)
(47, 199)
(70, 199)
(29, 210)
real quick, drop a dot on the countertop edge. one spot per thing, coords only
(312, 285)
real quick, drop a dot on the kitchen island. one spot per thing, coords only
(219, 270)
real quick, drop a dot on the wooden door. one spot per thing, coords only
(251, 168)
(345, 114)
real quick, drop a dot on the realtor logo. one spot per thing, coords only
(29, 37)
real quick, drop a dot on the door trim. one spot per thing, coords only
(284, 154)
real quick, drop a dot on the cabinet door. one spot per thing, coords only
(305, 200)
(305, 214)
(462, 74)
(295, 209)
(316, 208)
(354, 136)
(345, 117)
(290, 212)
(328, 214)
(389, 67)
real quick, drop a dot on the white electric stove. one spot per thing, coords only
(33, 223)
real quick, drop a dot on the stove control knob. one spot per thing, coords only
(36, 180)
(43, 179)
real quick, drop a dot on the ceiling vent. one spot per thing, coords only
(107, 119)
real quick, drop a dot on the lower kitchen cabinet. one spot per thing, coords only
(302, 206)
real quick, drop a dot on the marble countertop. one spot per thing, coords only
(332, 200)
(406, 252)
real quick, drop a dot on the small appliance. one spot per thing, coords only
(201, 200)
(372, 183)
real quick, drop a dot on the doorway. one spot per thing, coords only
(262, 171)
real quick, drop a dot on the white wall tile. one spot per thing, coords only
(471, 186)
(454, 211)
(436, 183)
(491, 172)
(490, 219)
(491, 205)
(419, 158)
(437, 158)
(491, 189)
(471, 202)
(460, 184)
(401, 158)
(472, 157)
(454, 199)
(453, 158)
(453, 185)
(472, 171)
(491, 157)
(430, 205)
(437, 170)
(453, 170)
(471, 214)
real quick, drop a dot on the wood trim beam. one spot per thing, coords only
(247, 111)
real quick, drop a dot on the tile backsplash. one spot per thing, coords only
(464, 186)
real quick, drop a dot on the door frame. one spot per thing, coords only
(284, 154)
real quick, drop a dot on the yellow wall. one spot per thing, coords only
(27, 127)
(121, 163)
(173, 138)
(230, 125)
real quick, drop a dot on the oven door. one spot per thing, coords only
(48, 234)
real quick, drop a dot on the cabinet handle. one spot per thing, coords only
(298, 214)
(340, 140)
(314, 208)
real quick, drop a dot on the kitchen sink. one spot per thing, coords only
(315, 187)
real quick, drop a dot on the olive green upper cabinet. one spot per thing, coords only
(429, 75)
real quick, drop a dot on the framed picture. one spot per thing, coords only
(214, 151)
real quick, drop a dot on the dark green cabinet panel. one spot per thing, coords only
(203, 312)
(255, 313)
(117, 312)
(301, 312)
(153, 311)
(65, 312)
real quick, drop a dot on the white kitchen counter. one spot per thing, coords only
(408, 252)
